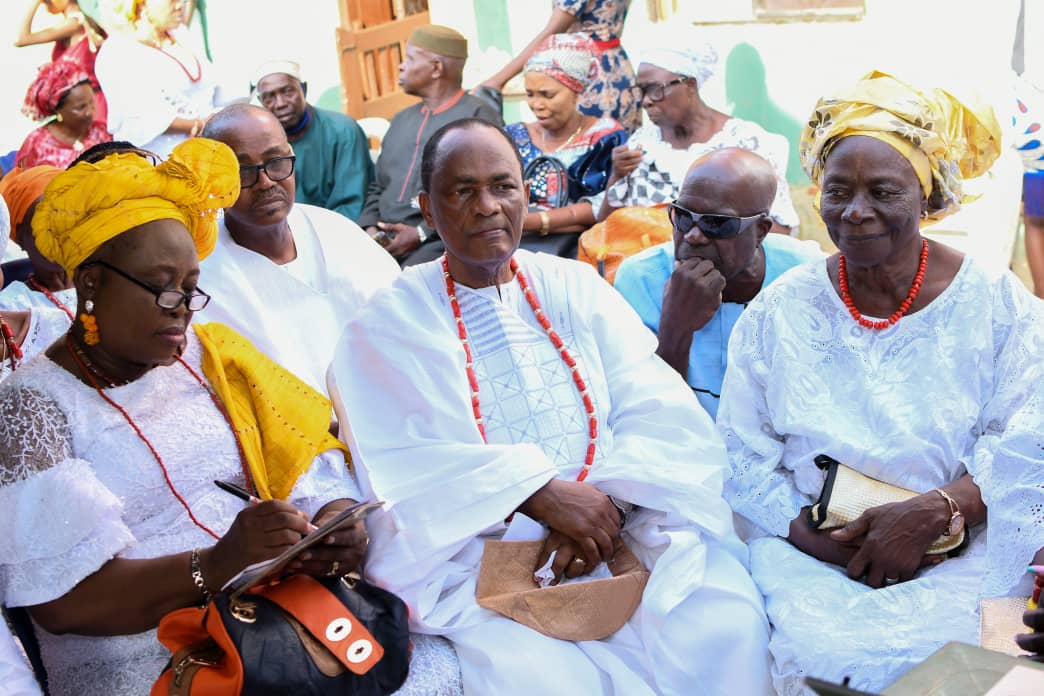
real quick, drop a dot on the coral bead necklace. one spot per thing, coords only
(94, 375)
(556, 341)
(12, 350)
(904, 306)
(35, 285)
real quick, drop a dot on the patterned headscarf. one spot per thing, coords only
(20, 189)
(568, 58)
(944, 139)
(52, 81)
(698, 61)
(89, 204)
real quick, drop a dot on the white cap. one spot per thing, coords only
(271, 67)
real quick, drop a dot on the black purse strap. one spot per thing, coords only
(548, 168)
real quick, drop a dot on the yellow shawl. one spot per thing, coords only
(281, 422)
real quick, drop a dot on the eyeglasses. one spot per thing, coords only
(655, 91)
(711, 225)
(276, 169)
(166, 299)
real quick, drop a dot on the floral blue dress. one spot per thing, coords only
(544, 189)
(610, 94)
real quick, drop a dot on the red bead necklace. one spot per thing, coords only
(199, 67)
(556, 341)
(846, 296)
(12, 350)
(93, 374)
(35, 285)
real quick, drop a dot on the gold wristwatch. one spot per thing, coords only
(956, 523)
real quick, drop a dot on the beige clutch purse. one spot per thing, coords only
(847, 494)
(589, 610)
(1000, 618)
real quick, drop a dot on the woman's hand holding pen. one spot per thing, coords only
(260, 532)
(339, 553)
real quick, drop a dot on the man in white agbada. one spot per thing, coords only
(287, 276)
(403, 378)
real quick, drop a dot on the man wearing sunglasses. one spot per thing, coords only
(691, 291)
(286, 275)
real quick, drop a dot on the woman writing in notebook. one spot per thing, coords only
(110, 441)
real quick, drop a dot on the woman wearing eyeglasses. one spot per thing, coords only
(904, 360)
(649, 169)
(110, 441)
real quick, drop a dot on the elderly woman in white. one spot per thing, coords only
(899, 357)
(650, 167)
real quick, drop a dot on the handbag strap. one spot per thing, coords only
(541, 170)
(328, 620)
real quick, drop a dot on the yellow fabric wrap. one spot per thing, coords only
(945, 139)
(281, 422)
(89, 204)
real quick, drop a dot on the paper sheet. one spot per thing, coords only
(1019, 681)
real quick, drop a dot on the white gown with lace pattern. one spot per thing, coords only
(916, 405)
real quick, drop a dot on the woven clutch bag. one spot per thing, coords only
(847, 494)
(1000, 619)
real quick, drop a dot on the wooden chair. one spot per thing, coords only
(371, 41)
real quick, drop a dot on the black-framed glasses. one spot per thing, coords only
(655, 91)
(166, 299)
(276, 169)
(712, 225)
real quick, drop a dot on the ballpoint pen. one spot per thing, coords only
(238, 492)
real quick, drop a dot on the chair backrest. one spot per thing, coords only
(372, 42)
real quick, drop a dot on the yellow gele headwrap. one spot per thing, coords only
(281, 422)
(90, 204)
(944, 139)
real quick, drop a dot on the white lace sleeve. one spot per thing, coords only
(759, 487)
(34, 435)
(60, 524)
(329, 478)
(1008, 462)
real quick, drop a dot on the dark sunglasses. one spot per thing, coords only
(712, 225)
(276, 169)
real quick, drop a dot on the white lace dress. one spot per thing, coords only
(78, 487)
(916, 405)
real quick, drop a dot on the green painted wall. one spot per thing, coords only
(493, 31)
(747, 93)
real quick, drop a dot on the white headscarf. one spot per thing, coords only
(697, 61)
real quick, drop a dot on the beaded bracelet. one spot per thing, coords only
(197, 576)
